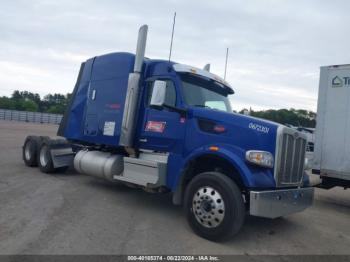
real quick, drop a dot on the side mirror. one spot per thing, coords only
(158, 93)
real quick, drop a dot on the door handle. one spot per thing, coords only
(93, 96)
(144, 140)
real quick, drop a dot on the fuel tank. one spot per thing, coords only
(99, 164)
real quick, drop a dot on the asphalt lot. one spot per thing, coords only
(76, 214)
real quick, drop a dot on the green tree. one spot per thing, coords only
(24, 100)
(56, 109)
(7, 103)
(16, 95)
(29, 105)
(25, 105)
(292, 116)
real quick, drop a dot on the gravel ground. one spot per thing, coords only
(76, 214)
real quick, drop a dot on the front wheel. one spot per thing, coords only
(214, 206)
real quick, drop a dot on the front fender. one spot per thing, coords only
(251, 176)
(230, 153)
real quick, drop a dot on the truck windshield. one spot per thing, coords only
(201, 92)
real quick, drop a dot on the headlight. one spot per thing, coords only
(261, 158)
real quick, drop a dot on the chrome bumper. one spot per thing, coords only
(277, 203)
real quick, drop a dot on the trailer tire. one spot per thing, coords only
(214, 206)
(30, 150)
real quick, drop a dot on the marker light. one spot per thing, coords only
(214, 148)
(261, 158)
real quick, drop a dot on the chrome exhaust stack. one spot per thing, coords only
(131, 100)
(140, 48)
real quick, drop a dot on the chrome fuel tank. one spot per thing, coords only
(98, 164)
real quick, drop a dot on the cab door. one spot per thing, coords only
(162, 130)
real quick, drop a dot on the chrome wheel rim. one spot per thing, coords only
(208, 207)
(44, 158)
(27, 153)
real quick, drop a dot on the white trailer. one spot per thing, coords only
(332, 136)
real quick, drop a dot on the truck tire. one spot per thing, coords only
(214, 206)
(44, 157)
(30, 150)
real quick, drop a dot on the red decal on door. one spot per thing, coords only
(113, 106)
(155, 126)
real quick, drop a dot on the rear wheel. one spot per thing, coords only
(214, 206)
(44, 157)
(30, 150)
(45, 162)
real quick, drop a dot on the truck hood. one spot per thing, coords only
(245, 132)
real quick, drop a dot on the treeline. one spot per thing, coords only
(294, 117)
(27, 101)
(57, 103)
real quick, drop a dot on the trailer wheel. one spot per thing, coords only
(30, 150)
(214, 206)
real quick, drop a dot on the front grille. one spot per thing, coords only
(290, 158)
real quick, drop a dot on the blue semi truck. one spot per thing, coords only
(169, 127)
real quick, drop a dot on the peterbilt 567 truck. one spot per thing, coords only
(169, 127)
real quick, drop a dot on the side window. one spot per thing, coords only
(170, 95)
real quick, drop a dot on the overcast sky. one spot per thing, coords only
(276, 47)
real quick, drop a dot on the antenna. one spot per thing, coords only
(226, 63)
(172, 36)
